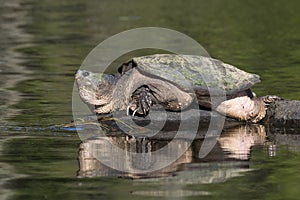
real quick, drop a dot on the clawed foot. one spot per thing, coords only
(271, 98)
(140, 103)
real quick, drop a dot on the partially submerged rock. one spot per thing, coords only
(284, 113)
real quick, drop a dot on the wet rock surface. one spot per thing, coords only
(283, 113)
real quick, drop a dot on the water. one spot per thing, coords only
(42, 44)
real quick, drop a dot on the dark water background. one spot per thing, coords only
(43, 43)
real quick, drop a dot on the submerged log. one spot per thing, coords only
(282, 117)
(284, 113)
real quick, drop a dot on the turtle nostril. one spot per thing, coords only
(85, 73)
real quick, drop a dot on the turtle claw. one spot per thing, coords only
(141, 102)
(271, 98)
(134, 112)
(127, 110)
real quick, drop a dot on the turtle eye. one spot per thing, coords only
(85, 73)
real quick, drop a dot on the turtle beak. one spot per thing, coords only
(81, 73)
(78, 74)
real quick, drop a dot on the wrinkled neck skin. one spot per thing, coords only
(121, 93)
(105, 93)
(115, 89)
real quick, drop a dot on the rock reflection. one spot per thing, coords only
(290, 141)
(229, 156)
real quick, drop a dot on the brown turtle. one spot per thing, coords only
(174, 81)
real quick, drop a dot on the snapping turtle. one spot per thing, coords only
(174, 81)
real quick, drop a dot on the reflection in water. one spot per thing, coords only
(290, 141)
(138, 156)
(238, 141)
(229, 156)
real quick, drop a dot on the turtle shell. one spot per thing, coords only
(196, 72)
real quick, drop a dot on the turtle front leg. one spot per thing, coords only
(140, 102)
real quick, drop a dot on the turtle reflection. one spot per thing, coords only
(229, 156)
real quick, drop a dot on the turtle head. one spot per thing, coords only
(95, 88)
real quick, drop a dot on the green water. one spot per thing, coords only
(43, 43)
